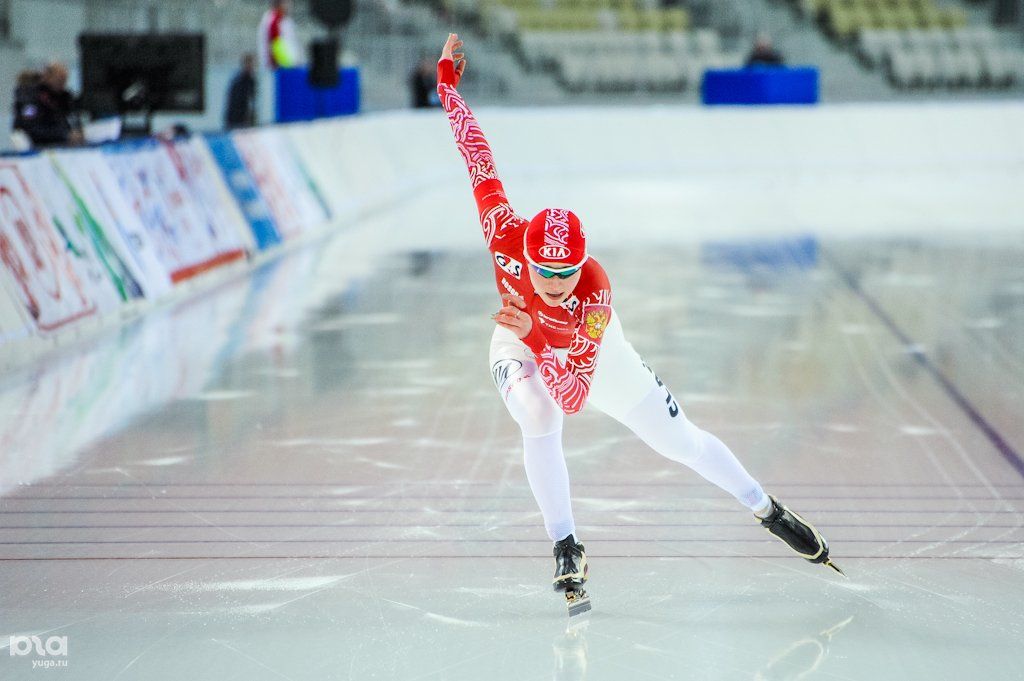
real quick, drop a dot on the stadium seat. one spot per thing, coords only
(953, 17)
(902, 69)
(969, 67)
(648, 41)
(706, 41)
(926, 67)
(679, 43)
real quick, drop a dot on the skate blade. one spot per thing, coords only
(578, 602)
(835, 567)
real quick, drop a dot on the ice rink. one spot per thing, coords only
(307, 473)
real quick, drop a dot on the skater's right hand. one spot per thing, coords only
(452, 64)
(514, 316)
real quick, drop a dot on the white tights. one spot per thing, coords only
(625, 389)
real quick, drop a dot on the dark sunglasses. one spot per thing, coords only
(561, 274)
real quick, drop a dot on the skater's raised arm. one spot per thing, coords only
(495, 212)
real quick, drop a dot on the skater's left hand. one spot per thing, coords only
(513, 315)
(451, 51)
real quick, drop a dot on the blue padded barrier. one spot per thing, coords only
(297, 100)
(761, 85)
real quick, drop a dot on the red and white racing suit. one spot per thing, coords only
(575, 354)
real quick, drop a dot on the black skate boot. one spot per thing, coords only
(571, 574)
(798, 534)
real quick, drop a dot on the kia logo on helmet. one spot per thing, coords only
(554, 252)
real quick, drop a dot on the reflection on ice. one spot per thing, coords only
(570, 648)
(55, 409)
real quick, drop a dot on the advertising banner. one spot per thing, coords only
(14, 321)
(245, 190)
(36, 262)
(290, 194)
(210, 194)
(90, 177)
(185, 243)
(313, 205)
(109, 278)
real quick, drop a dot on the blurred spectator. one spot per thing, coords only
(25, 91)
(423, 84)
(240, 111)
(764, 54)
(279, 47)
(45, 110)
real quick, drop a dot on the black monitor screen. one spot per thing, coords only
(142, 72)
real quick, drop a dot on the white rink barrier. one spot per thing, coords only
(89, 235)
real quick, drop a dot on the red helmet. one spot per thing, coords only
(555, 235)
